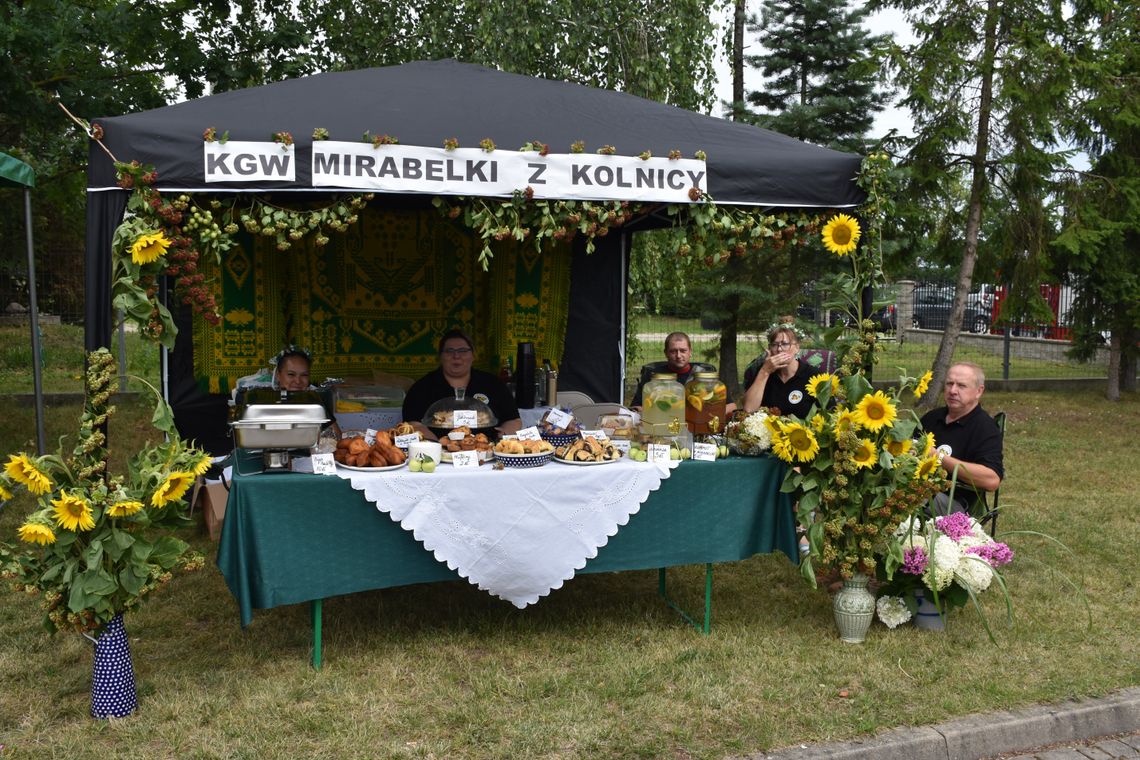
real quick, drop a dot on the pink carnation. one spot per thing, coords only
(955, 526)
(914, 560)
(996, 554)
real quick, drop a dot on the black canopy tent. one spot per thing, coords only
(425, 103)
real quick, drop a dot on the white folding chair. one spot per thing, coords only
(573, 399)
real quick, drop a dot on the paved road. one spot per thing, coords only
(1092, 729)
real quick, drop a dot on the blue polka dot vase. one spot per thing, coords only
(113, 677)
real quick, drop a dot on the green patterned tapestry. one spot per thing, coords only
(379, 297)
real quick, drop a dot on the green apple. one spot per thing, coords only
(723, 452)
(686, 454)
(415, 465)
(674, 454)
(429, 465)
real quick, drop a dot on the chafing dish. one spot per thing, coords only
(277, 428)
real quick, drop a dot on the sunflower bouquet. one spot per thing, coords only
(89, 548)
(862, 466)
(859, 471)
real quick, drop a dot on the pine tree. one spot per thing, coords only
(819, 85)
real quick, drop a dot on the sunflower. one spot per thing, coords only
(172, 489)
(37, 533)
(73, 512)
(817, 422)
(927, 444)
(202, 465)
(23, 470)
(923, 384)
(926, 468)
(772, 422)
(864, 454)
(813, 385)
(841, 235)
(124, 508)
(897, 448)
(149, 247)
(5, 494)
(875, 412)
(795, 443)
(845, 420)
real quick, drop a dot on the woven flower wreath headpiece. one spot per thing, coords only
(788, 326)
(291, 350)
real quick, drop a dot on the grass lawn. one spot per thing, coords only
(601, 668)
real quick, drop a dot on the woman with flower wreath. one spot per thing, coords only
(782, 379)
(289, 371)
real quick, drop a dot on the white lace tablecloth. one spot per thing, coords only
(515, 533)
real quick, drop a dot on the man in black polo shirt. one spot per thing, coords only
(966, 437)
(678, 352)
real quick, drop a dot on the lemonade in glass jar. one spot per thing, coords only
(663, 404)
(705, 400)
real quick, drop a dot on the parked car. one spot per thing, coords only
(885, 318)
(932, 311)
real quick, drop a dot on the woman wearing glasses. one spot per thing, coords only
(456, 355)
(782, 379)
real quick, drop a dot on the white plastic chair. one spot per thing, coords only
(573, 399)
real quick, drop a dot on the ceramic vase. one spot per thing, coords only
(854, 608)
(113, 677)
(927, 616)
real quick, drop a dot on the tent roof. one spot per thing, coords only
(426, 102)
(15, 173)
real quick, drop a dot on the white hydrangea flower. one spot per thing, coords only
(755, 428)
(974, 573)
(939, 573)
(914, 541)
(892, 611)
(909, 525)
(980, 538)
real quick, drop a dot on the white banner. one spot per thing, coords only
(472, 171)
(249, 161)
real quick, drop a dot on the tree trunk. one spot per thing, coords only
(1112, 388)
(738, 19)
(978, 182)
(729, 328)
(1128, 361)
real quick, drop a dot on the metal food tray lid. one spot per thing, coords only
(257, 415)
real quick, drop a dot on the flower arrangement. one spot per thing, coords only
(950, 559)
(89, 549)
(860, 473)
(749, 435)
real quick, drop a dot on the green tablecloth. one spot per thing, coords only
(291, 538)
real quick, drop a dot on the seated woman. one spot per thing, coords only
(781, 381)
(291, 370)
(456, 356)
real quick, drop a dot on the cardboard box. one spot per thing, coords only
(212, 500)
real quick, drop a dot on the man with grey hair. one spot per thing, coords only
(967, 438)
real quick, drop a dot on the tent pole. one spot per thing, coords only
(34, 315)
(625, 238)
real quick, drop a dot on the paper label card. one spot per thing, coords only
(456, 436)
(659, 453)
(468, 417)
(324, 464)
(704, 452)
(529, 434)
(559, 418)
(597, 435)
(404, 441)
(621, 444)
(370, 436)
(465, 458)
